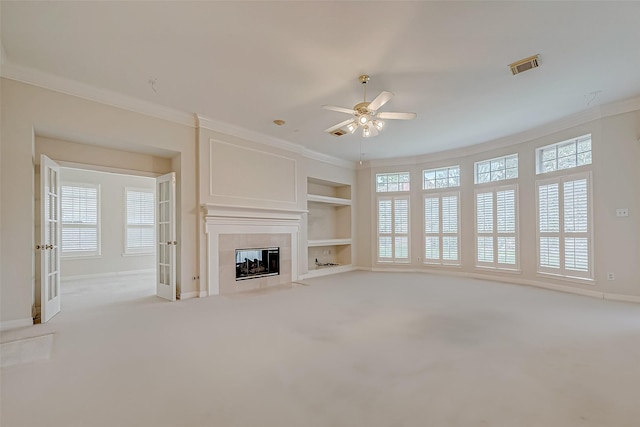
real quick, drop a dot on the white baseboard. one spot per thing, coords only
(203, 294)
(18, 323)
(107, 275)
(189, 295)
(620, 297)
(514, 280)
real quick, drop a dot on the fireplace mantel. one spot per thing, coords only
(222, 220)
(227, 211)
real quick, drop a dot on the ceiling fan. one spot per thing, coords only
(365, 114)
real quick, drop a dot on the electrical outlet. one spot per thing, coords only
(611, 276)
(622, 212)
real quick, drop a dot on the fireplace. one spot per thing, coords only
(257, 262)
(231, 228)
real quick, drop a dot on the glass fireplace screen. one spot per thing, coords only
(259, 262)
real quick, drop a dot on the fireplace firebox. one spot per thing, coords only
(257, 262)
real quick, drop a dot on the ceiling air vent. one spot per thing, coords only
(525, 64)
(338, 132)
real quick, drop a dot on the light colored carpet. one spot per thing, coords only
(356, 349)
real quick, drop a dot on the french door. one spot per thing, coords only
(166, 236)
(49, 245)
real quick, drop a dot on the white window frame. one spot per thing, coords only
(495, 234)
(399, 175)
(69, 225)
(562, 234)
(575, 142)
(440, 234)
(393, 234)
(445, 177)
(495, 168)
(146, 250)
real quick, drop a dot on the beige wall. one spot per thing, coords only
(29, 111)
(616, 177)
(94, 157)
(234, 171)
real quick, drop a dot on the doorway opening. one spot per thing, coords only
(108, 248)
(106, 238)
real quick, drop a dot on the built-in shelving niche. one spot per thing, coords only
(329, 242)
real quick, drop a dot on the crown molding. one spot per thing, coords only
(594, 113)
(71, 87)
(81, 90)
(621, 107)
(239, 132)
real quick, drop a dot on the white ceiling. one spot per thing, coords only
(248, 63)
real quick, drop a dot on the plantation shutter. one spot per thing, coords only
(384, 229)
(441, 228)
(484, 227)
(576, 240)
(564, 235)
(432, 228)
(506, 226)
(497, 227)
(450, 228)
(393, 229)
(549, 226)
(401, 230)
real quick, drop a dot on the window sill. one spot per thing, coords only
(127, 254)
(440, 264)
(499, 269)
(79, 257)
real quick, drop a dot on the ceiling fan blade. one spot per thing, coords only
(380, 100)
(396, 116)
(339, 109)
(339, 125)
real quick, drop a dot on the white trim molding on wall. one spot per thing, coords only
(13, 324)
(514, 281)
(81, 90)
(232, 130)
(92, 93)
(586, 116)
(250, 172)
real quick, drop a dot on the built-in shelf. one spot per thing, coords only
(328, 242)
(331, 201)
(323, 271)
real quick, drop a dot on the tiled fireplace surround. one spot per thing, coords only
(231, 228)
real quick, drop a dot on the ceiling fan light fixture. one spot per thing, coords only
(365, 114)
